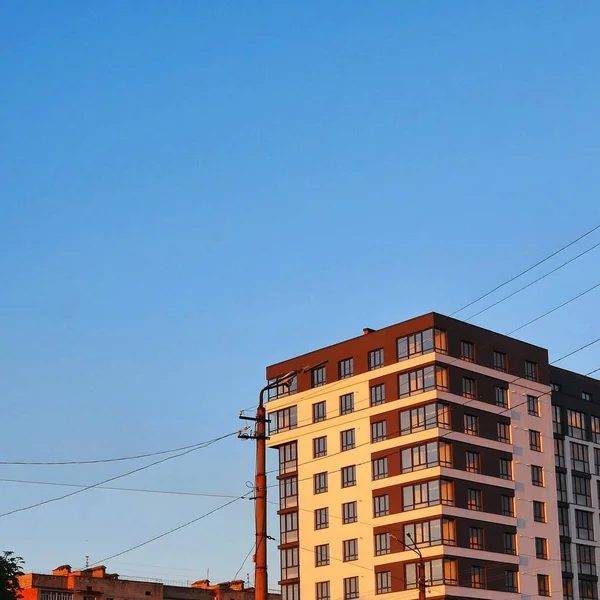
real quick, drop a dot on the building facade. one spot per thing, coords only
(431, 438)
(576, 426)
(96, 584)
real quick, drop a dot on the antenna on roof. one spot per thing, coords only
(87, 561)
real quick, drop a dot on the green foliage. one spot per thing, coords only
(10, 569)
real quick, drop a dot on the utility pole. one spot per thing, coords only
(261, 580)
(421, 584)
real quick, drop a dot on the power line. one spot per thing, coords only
(525, 271)
(575, 351)
(532, 283)
(102, 460)
(89, 487)
(120, 489)
(592, 372)
(244, 562)
(162, 535)
(555, 309)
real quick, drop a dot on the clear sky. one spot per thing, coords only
(190, 191)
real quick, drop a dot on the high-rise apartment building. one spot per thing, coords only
(576, 425)
(433, 437)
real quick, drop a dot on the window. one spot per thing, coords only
(565, 556)
(472, 462)
(510, 543)
(511, 581)
(597, 460)
(48, 595)
(347, 438)
(478, 577)
(588, 590)
(288, 527)
(346, 368)
(474, 499)
(568, 588)
(323, 591)
(576, 424)
(579, 458)
(584, 524)
(375, 359)
(582, 494)
(430, 533)
(563, 521)
(595, 429)
(557, 426)
(541, 548)
(422, 343)
(437, 572)
(539, 511)
(505, 468)
(319, 411)
(290, 591)
(556, 387)
(288, 458)
(349, 512)
(425, 456)
(288, 492)
(425, 417)
(350, 588)
(348, 476)
(471, 425)
(469, 388)
(377, 394)
(346, 404)
(561, 487)
(467, 351)
(586, 560)
(531, 370)
(543, 582)
(507, 506)
(322, 518)
(500, 361)
(423, 380)
(383, 582)
(501, 397)
(381, 505)
(559, 453)
(535, 440)
(282, 389)
(320, 447)
(378, 431)
(476, 538)
(289, 563)
(380, 468)
(284, 419)
(382, 544)
(322, 555)
(320, 482)
(319, 376)
(428, 493)
(533, 406)
(504, 433)
(537, 476)
(350, 548)
(586, 396)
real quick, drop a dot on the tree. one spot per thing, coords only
(10, 569)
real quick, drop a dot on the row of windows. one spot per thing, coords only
(584, 524)
(587, 396)
(409, 383)
(588, 590)
(574, 423)
(586, 558)
(579, 456)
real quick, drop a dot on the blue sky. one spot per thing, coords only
(194, 190)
